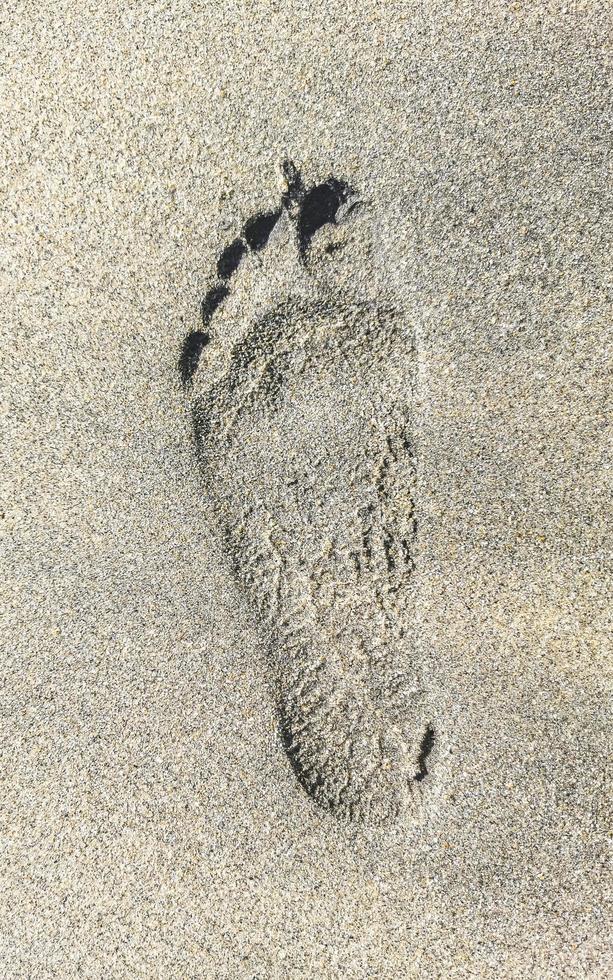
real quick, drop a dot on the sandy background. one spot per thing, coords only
(149, 823)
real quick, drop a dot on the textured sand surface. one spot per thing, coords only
(150, 823)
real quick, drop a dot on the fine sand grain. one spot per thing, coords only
(305, 502)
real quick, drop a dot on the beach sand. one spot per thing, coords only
(151, 823)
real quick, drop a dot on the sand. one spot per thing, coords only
(151, 823)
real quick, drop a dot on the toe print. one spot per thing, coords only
(303, 424)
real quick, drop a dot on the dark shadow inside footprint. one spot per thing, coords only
(427, 744)
(258, 229)
(212, 300)
(319, 207)
(193, 345)
(309, 781)
(195, 342)
(230, 259)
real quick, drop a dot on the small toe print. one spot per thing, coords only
(427, 744)
(258, 229)
(193, 346)
(230, 259)
(213, 299)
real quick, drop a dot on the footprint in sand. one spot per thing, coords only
(302, 414)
